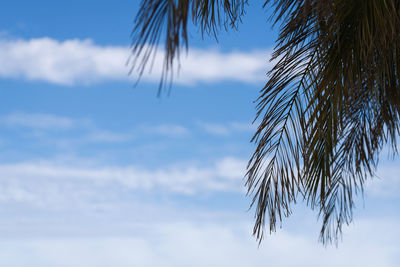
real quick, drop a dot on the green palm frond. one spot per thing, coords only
(331, 103)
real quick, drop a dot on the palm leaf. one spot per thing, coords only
(172, 16)
(331, 103)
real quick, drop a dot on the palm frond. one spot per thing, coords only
(351, 101)
(172, 16)
(331, 103)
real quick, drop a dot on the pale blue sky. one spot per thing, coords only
(95, 172)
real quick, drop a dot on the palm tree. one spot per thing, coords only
(331, 103)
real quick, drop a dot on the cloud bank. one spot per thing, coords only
(73, 62)
(207, 244)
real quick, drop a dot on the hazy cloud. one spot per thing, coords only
(178, 244)
(103, 136)
(45, 181)
(89, 132)
(172, 130)
(387, 181)
(38, 121)
(226, 128)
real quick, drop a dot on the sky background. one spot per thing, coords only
(97, 172)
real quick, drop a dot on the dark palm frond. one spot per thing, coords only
(351, 104)
(331, 103)
(172, 16)
(275, 170)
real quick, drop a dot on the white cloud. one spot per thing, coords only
(38, 121)
(68, 62)
(77, 61)
(213, 66)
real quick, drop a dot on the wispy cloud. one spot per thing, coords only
(172, 130)
(225, 128)
(86, 130)
(77, 61)
(214, 128)
(103, 136)
(37, 181)
(38, 121)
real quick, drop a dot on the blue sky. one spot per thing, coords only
(95, 171)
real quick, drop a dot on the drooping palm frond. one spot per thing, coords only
(331, 103)
(340, 60)
(156, 17)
